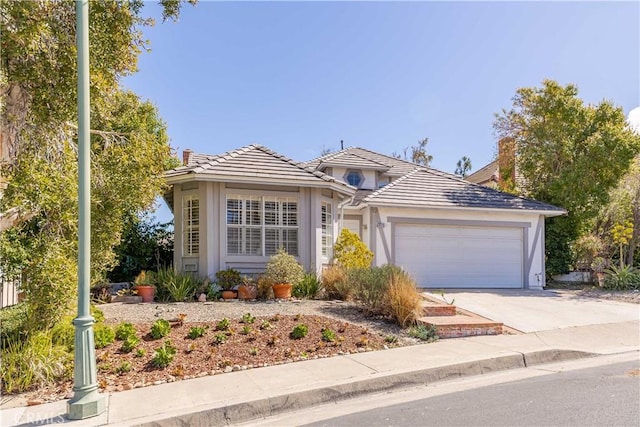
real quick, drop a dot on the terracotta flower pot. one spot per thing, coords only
(282, 290)
(229, 294)
(147, 292)
(247, 292)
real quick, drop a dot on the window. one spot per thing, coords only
(261, 225)
(190, 225)
(327, 229)
(354, 178)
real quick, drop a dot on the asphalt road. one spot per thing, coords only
(606, 395)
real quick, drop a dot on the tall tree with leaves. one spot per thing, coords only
(129, 144)
(463, 167)
(563, 145)
(416, 153)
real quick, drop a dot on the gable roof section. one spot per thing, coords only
(369, 160)
(253, 164)
(431, 189)
(485, 174)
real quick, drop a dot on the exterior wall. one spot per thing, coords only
(382, 234)
(212, 255)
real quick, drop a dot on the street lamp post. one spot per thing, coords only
(86, 401)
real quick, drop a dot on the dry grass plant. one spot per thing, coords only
(334, 282)
(403, 298)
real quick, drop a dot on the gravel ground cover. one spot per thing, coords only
(261, 345)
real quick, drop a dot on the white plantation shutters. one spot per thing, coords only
(190, 225)
(259, 225)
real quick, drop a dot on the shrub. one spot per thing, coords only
(328, 335)
(101, 293)
(129, 343)
(177, 286)
(96, 313)
(299, 331)
(350, 252)
(425, 333)
(125, 330)
(163, 356)
(223, 325)
(283, 268)
(104, 335)
(160, 329)
(220, 338)
(141, 352)
(124, 368)
(402, 298)
(197, 332)
(334, 283)
(13, 320)
(369, 286)
(64, 333)
(33, 362)
(265, 290)
(622, 278)
(247, 318)
(308, 287)
(228, 279)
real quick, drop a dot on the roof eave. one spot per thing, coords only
(190, 177)
(548, 213)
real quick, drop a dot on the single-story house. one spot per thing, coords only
(235, 209)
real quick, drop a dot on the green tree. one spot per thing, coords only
(562, 145)
(623, 207)
(145, 245)
(129, 144)
(463, 167)
(416, 153)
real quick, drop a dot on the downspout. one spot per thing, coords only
(341, 206)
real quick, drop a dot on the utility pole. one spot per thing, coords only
(86, 401)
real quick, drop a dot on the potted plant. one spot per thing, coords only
(283, 270)
(145, 285)
(248, 289)
(228, 280)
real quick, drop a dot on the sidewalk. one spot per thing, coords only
(241, 396)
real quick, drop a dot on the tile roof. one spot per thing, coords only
(484, 174)
(429, 188)
(253, 163)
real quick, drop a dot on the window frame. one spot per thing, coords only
(282, 217)
(190, 225)
(358, 172)
(327, 228)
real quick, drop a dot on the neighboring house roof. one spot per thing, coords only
(369, 159)
(254, 164)
(428, 188)
(488, 173)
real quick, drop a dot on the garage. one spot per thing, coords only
(443, 256)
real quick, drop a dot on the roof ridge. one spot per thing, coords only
(391, 185)
(323, 176)
(221, 158)
(387, 156)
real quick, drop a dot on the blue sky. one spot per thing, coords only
(298, 77)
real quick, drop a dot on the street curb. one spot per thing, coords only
(275, 405)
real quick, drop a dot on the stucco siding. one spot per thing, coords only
(532, 225)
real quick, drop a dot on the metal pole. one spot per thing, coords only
(86, 401)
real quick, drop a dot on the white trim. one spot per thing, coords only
(468, 209)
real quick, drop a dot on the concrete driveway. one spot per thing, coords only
(530, 311)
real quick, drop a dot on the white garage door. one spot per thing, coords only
(460, 257)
